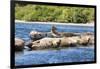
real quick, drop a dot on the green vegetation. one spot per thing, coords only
(49, 13)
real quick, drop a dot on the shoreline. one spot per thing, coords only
(54, 23)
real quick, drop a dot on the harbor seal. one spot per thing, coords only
(19, 44)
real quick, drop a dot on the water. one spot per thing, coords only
(75, 54)
(22, 30)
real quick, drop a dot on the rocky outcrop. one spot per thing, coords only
(19, 44)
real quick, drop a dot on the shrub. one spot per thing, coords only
(54, 13)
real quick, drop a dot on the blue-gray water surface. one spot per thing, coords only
(75, 54)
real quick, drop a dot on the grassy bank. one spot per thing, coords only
(46, 13)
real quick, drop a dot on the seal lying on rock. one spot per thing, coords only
(46, 43)
(69, 41)
(92, 40)
(62, 34)
(86, 39)
(19, 44)
(34, 35)
(29, 43)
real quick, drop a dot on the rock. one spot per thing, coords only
(68, 34)
(19, 44)
(88, 33)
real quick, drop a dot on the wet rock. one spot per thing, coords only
(19, 44)
(88, 33)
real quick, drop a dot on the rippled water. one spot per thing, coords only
(75, 54)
